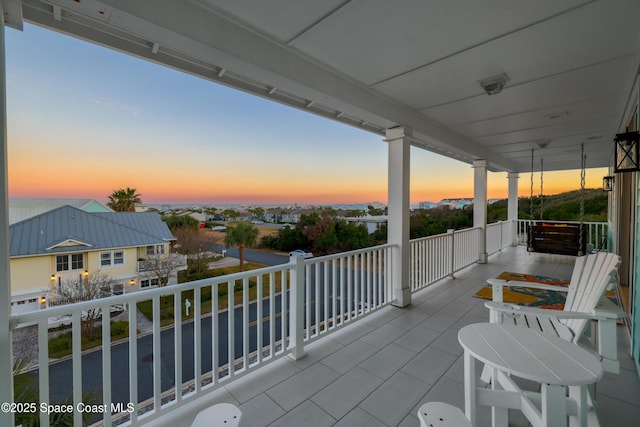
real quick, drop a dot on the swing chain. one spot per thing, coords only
(541, 186)
(530, 244)
(583, 161)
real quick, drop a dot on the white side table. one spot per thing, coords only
(549, 360)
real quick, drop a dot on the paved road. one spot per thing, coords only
(253, 255)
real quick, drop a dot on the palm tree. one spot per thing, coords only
(243, 234)
(124, 200)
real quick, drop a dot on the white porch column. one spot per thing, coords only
(480, 205)
(512, 207)
(6, 360)
(398, 222)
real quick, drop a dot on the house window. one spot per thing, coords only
(62, 263)
(105, 259)
(146, 283)
(155, 250)
(111, 258)
(76, 261)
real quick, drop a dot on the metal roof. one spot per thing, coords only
(23, 208)
(69, 229)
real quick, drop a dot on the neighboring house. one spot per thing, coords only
(67, 244)
(372, 223)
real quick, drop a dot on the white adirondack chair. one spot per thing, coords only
(220, 415)
(585, 302)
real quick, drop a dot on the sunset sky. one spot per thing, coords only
(85, 120)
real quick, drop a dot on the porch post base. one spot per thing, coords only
(482, 258)
(401, 297)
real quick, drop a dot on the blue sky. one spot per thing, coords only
(118, 121)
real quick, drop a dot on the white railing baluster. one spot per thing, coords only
(259, 319)
(43, 363)
(133, 361)
(177, 350)
(106, 364)
(350, 285)
(317, 299)
(231, 353)
(343, 291)
(157, 355)
(76, 352)
(272, 315)
(307, 298)
(325, 294)
(246, 322)
(334, 291)
(197, 339)
(215, 336)
(284, 310)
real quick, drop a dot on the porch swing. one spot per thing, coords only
(552, 237)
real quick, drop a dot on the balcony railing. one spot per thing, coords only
(231, 325)
(205, 333)
(175, 261)
(435, 257)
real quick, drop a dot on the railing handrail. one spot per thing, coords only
(348, 253)
(560, 221)
(435, 236)
(135, 297)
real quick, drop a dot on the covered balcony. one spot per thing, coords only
(348, 357)
(362, 337)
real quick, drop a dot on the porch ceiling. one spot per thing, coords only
(571, 65)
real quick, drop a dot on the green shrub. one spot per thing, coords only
(119, 329)
(60, 345)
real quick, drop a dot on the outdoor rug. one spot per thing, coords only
(533, 297)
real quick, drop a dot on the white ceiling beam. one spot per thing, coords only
(12, 10)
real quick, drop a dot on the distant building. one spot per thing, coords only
(372, 223)
(68, 244)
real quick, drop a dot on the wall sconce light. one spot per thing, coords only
(85, 273)
(43, 300)
(132, 282)
(494, 85)
(53, 277)
(607, 183)
(626, 152)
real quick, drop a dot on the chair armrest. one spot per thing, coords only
(523, 284)
(517, 310)
(608, 309)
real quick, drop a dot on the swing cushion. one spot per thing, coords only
(562, 239)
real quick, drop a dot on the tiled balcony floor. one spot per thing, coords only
(378, 371)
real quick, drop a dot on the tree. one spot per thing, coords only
(241, 235)
(124, 200)
(257, 213)
(85, 288)
(162, 267)
(230, 214)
